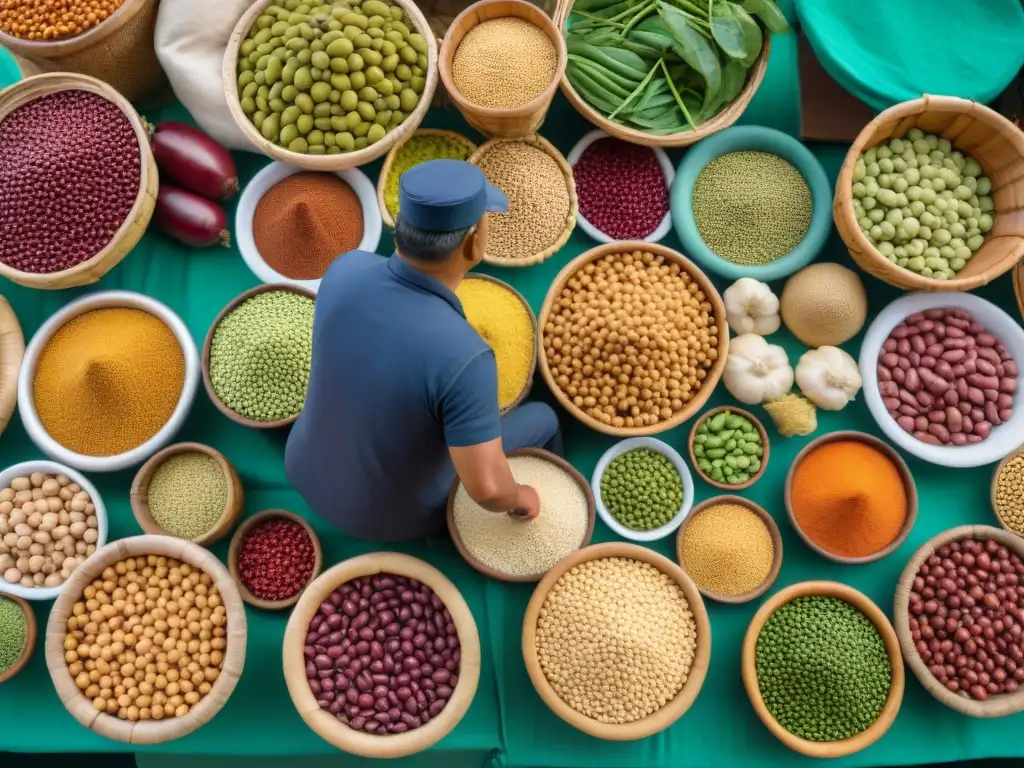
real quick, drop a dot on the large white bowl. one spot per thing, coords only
(668, 452)
(1003, 439)
(667, 170)
(26, 468)
(106, 300)
(271, 175)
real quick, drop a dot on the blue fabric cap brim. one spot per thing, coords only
(447, 195)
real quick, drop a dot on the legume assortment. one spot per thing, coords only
(727, 549)
(13, 631)
(728, 448)
(419, 149)
(642, 489)
(1009, 494)
(621, 188)
(188, 494)
(276, 559)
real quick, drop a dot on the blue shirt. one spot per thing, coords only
(397, 376)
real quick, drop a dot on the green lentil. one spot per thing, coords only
(751, 207)
(260, 355)
(822, 668)
(728, 448)
(642, 489)
(12, 633)
(188, 494)
(418, 149)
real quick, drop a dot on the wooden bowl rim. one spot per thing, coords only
(901, 466)
(65, 46)
(873, 613)
(673, 710)
(31, 631)
(539, 453)
(992, 490)
(208, 343)
(773, 531)
(714, 372)
(236, 545)
(327, 726)
(764, 441)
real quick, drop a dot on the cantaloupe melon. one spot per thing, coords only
(824, 304)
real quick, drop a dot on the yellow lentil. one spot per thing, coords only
(727, 549)
(504, 63)
(1009, 496)
(419, 149)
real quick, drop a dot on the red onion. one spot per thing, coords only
(194, 160)
(192, 219)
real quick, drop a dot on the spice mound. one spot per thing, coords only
(1009, 494)
(49, 20)
(616, 639)
(945, 379)
(728, 448)
(146, 640)
(49, 528)
(727, 550)
(70, 171)
(304, 222)
(502, 319)
(966, 609)
(644, 331)
(108, 380)
(822, 669)
(276, 559)
(382, 654)
(529, 548)
(642, 489)
(849, 498)
(539, 200)
(621, 188)
(420, 149)
(13, 633)
(260, 355)
(188, 494)
(504, 63)
(751, 207)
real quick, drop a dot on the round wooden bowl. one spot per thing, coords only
(492, 121)
(764, 442)
(236, 546)
(143, 478)
(723, 119)
(539, 453)
(874, 614)
(12, 351)
(134, 225)
(713, 374)
(392, 155)
(338, 733)
(773, 529)
(894, 457)
(31, 630)
(992, 491)
(674, 709)
(539, 142)
(149, 731)
(208, 382)
(974, 129)
(229, 73)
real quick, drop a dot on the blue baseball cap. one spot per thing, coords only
(447, 195)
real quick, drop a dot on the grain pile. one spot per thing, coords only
(504, 63)
(727, 549)
(188, 494)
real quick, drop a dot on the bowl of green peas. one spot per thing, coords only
(729, 448)
(642, 488)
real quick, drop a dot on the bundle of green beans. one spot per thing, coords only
(665, 66)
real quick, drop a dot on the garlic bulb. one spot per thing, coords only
(756, 371)
(828, 377)
(751, 307)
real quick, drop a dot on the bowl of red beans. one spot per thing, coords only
(274, 555)
(382, 655)
(622, 189)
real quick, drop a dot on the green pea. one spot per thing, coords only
(288, 93)
(362, 40)
(397, 117)
(352, 119)
(304, 124)
(258, 118)
(288, 134)
(408, 55)
(388, 49)
(361, 130)
(248, 105)
(245, 79)
(341, 47)
(409, 99)
(290, 115)
(346, 141)
(392, 103)
(271, 127)
(250, 91)
(299, 145)
(246, 48)
(320, 92)
(417, 84)
(349, 100)
(303, 79)
(366, 111)
(320, 60)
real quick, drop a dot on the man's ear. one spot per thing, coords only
(476, 242)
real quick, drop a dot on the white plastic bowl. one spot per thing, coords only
(677, 461)
(668, 171)
(271, 175)
(106, 300)
(26, 468)
(1003, 439)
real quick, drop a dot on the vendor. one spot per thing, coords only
(403, 393)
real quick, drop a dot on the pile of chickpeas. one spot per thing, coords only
(630, 339)
(147, 639)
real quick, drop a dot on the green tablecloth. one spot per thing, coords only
(507, 714)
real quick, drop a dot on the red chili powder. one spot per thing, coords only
(69, 176)
(305, 222)
(276, 558)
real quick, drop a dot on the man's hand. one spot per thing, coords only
(528, 505)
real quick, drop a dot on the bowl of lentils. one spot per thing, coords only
(822, 668)
(274, 555)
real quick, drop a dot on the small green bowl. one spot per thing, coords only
(751, 138)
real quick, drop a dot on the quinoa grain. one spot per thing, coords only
(727, 549)
(504, 63)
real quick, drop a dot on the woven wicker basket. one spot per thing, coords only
(535, 140)
(12, 350)
(972, 128)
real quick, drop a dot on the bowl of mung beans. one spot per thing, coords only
(18, 630)
(729, 448)
(609, 605)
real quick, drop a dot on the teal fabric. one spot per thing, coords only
(884, 52)
(10, 72)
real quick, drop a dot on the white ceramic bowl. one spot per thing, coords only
(271, 175)
(677, 461)
(106, 300)
(26, 468)
(1003, 439)
(667, 170)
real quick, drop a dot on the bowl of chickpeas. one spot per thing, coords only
(146, 641)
